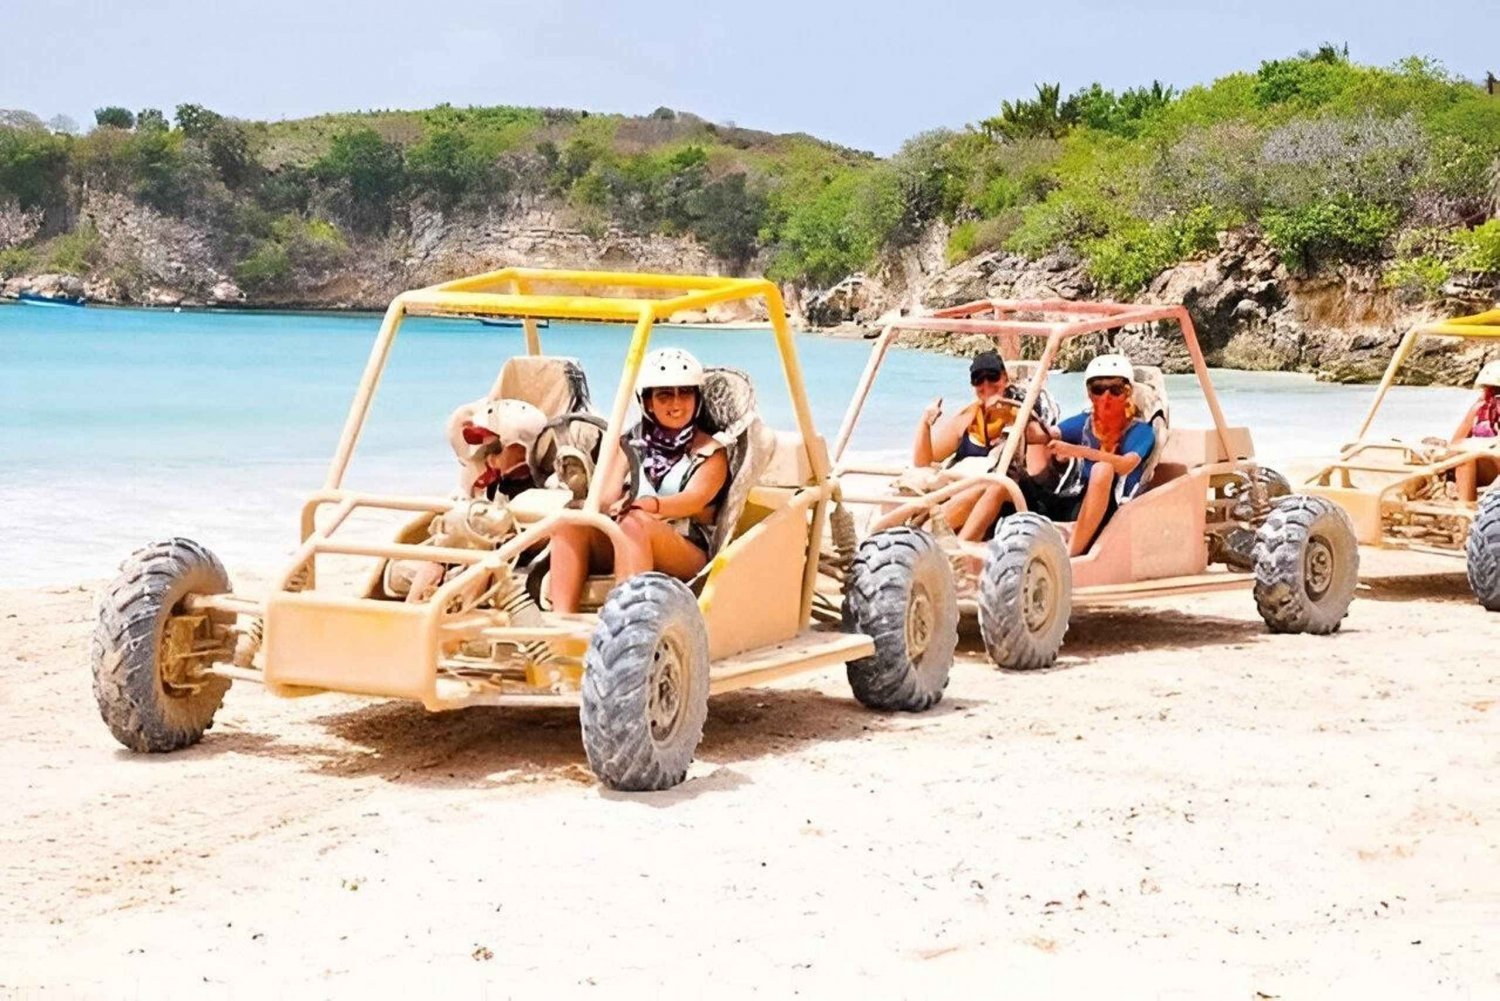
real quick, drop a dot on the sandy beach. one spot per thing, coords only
(1185, 806)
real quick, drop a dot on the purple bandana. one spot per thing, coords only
(660, 448)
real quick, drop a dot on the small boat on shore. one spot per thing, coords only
(508, 321)
(37, 299)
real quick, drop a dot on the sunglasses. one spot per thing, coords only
(987, 375)
(1112, 388)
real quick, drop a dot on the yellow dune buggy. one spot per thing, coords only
(641, 663)
(1401, 494)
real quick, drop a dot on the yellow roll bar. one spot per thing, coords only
(1479, 326)
(560, 294)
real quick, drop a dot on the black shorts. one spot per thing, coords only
(1049, 505)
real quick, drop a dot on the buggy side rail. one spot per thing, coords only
(318, 540)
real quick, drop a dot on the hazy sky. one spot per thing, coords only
(864, 74)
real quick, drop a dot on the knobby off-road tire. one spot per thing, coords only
(1306, 566)
(645, 685)
(140, 708)
(1483, 550)
(1025, 593)
(901, 594)
(1275, 485)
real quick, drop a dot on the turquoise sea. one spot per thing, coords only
(119, 426)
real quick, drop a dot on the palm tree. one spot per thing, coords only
(1025, 119)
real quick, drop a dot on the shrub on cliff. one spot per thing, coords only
(366, 175)
(72, 253)
(16, 261)
(1479, 248)
(1343, 228)
(267, 269)
(33, 167)
(114, 117)
(288, 247)
(827, 236)
(449, 168)
(1125, 261)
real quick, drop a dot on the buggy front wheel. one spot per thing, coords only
(1483, 551)
(147, 653)
(1025, 593)
(645, 685)
(1306, 566)
(900, 593)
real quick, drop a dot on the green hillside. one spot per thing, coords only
(1332, 160)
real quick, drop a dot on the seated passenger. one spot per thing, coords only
(683, 470)
(1111, 446)
(977, 429)
(1481, 421)
(493, 439)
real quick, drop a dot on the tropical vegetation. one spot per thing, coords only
(1329, 160)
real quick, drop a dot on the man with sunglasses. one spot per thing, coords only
(977, 429)
(1111, 446)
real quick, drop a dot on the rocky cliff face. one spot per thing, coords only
(143, 257)
(1248, 311)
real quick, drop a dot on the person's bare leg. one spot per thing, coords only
(655, 545)
(674, 554)
(1486, 470)
(984, 513)
(424, 582)
(1091, 512)
(956, 508)
(570, 566)
(1466, 478)
(637, 555)
(1037, 459)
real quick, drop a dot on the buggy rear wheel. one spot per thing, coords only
(1025, 593)
(901, 594)
(1483, 551)
(645, 685)
(146, 682)
(1306, 566)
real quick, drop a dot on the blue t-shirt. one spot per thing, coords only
(1138, 440)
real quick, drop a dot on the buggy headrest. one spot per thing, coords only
(728, 401)
(555, 386)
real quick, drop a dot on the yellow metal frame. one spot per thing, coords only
(315, 641)
(1400, 465)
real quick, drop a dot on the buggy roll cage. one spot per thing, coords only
(1411, 463)
(554, 294)
(998, 318)
(1479, 326)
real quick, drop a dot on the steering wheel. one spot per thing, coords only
(568, 448)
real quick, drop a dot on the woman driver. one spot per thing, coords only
(977, 429)
(1481, 421)
(683, 469)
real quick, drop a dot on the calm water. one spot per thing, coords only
(118, 426)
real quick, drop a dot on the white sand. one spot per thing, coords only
(1185, 807)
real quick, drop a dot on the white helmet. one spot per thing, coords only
(668, 367)
(513, 421)
(1489, 375)
(1109, 367)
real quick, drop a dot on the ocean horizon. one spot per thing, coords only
(121, 426)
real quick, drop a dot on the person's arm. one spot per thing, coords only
(1038, 433)
(697, 493)
(1135, 445)
(1123, 464)
(948, 430)
(921, 446)
(1466, 426)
